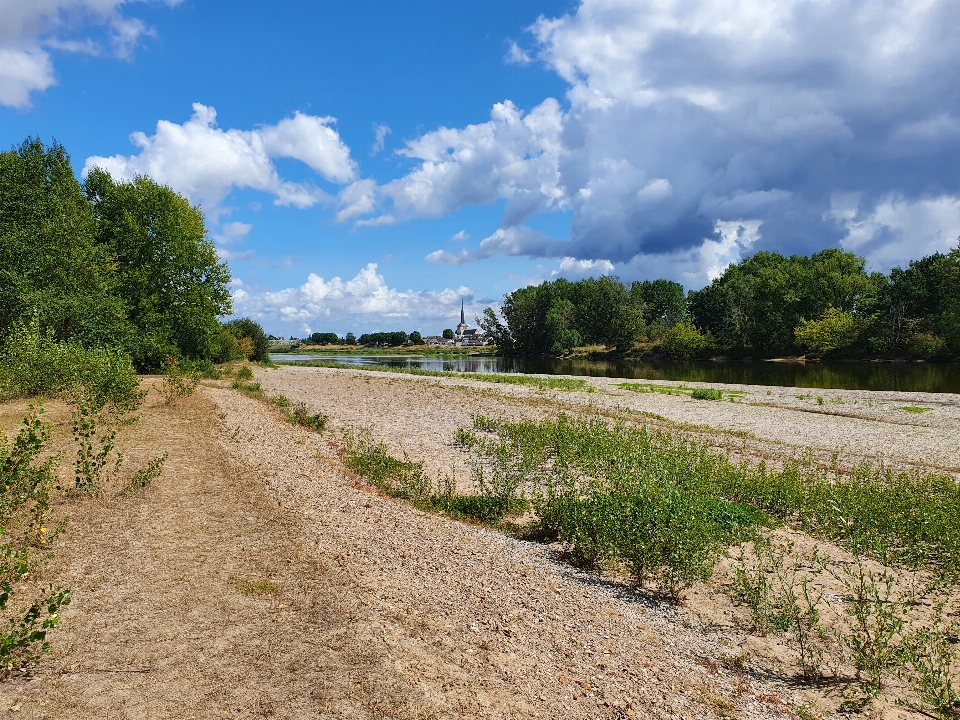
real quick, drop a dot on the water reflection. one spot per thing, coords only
(918, 377)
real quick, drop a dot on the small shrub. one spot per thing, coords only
(400, 478)
(244, 373)
(927, 659)
(178, 382)
(280, 401)
(706, 394)
(25, 484)
(300, 415)
(684, 340)
(94, 446)
(144, 476)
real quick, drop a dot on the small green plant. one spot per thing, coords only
(876, 620)
(94, 446)
(144, 476)
(25, 485)
(300, 415)
(819, 400)
(927, 659)
(706, 394)
(280, 401)
(916, 410)
(400, 478)
(178, 382)
(244, 373)
(249, 388)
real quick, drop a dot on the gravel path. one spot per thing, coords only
(490, 626)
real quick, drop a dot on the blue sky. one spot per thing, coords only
(362, 165)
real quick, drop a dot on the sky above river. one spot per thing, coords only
(364, 165)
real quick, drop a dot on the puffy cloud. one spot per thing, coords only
(896, 229)
(517, 240)
(683, 115)
(361, 300)
(29, 29)
(206, 162)
(380, 133)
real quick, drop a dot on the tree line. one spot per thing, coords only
(768, 305)
(112, 264)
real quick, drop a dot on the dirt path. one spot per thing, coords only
(256, 579)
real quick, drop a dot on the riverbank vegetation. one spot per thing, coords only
(767, 305)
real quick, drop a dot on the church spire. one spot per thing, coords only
(462, 321)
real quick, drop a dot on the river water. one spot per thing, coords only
(918, 377)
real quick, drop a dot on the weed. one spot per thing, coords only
(253, 389)
(300, 415)
(93, 447)
(280, 401)
(25, 484)
(876, 620)
(706, 394)
(916, 409)
(819, 400)
(927, 658)
(178, 382)
(144, 476)
(370, 458)
(244, 373)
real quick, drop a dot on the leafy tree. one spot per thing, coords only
(663, 302)
(416, 338)
(448, 334)
(835, 330)
(51, 266)
(392, 339)
(350, 339)
(167, 271)
(247, 329)
(496, 332)
(324, 339)
(560, 335)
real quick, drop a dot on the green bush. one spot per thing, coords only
(835, 330)
(33, 364)
(706, 394)
(25, 484)
(684, 340)
(300, 415)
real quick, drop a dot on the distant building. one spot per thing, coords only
(465, 335)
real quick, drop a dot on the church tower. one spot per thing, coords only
(462, 327)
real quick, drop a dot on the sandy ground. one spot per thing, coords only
(370, 609)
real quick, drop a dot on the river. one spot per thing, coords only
(916, 377)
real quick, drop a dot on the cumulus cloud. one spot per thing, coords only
(206, 162)
(361, 300)
(29, 29)
(684, 115)
(380, 133)
(896, 229)
(517, 240)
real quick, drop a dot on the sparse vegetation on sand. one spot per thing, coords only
(569, 384)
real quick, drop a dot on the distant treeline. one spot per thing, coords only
(107, 264)
(391, 339)
(767, 305)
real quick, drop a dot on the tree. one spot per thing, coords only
(51, 267)
(448, 334)
(495, 331)
(246, 329)
(318, 338)
(835, 330)
(663, 302)
(167, 271)
(350, 339)
(684, 340)
(416, 338)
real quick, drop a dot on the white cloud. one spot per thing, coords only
(517, 56)
(380, 133)
(897, 230)
(233, 231)
(361, 300)
(206, 163)
(516, 240)
(30, 27)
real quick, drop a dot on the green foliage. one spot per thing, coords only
(52, 268)
(178, 382)
(447, 334)
(664, 303)
(350, 339)
(400, 478)
(915, 409)
(393, 339)
(94, 445)
(167, 272)
(300, 415)
(835, 330)
(496, 332)
(416, 338)
(244, 373)
(245, 328)
(318, 338)
(32, 364)
(927, 658)
(25, 484)
(145, 475)
(684, 340)
(706, 394)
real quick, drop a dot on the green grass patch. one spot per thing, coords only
(567, 384)
(916, 409)
(695, 393)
